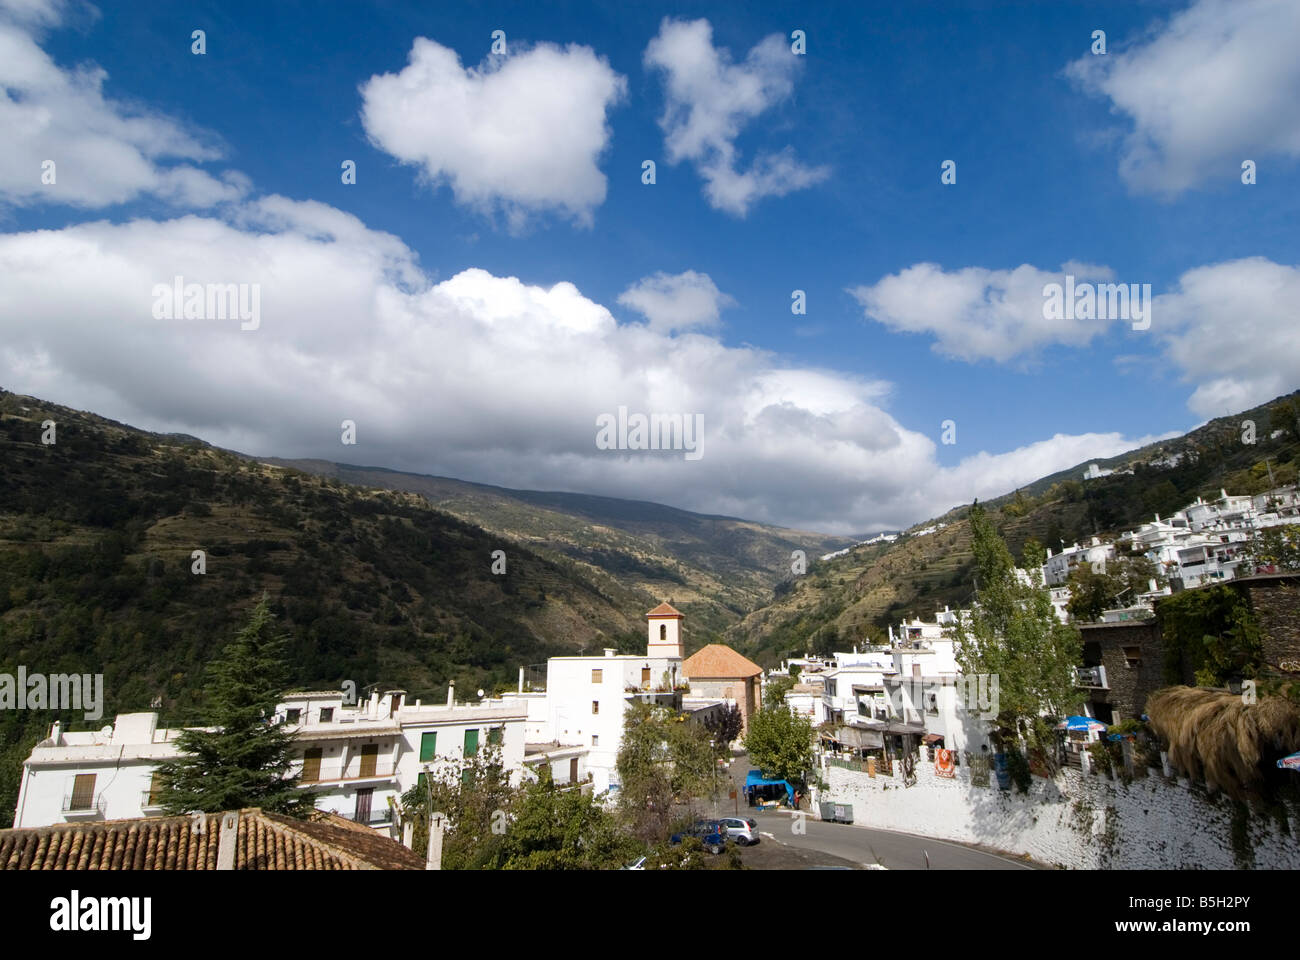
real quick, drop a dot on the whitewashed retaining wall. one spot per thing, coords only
(1076, 820)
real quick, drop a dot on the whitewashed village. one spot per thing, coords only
(900, 732)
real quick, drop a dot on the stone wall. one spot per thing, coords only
(1076, 820)
(1275, 601)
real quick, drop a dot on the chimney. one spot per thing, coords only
(610, 651)
(374, 706)
(451, 694)
(56, 731)
(226, 840)
(521, 679)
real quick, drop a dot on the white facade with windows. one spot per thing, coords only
(356, 759)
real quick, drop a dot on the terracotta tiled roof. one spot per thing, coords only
(719, 660)
(263, 841)
(665, 610)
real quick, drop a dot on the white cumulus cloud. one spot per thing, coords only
(104, 151)
(975, 313)
(1217, 84)
(523, 134)
(682, 301)
(708, 102)
(1233, 329)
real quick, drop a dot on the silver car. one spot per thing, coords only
(741, 830)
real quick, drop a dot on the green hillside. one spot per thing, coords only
(853, 598)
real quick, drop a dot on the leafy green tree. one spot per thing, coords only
(555, 828)
(246, 760)
(1273, 547)
(775, 690)
(779, 742)
(475, 797)
(1014, 634)
(663, 760)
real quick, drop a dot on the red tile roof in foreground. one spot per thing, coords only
(718, 660)
(263, 841)
(665, 610)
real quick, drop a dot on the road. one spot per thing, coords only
(883, 848)
(867, 845)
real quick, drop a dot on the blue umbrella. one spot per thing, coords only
(1290, 763)
(1083, 723)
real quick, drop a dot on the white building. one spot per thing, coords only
(356, 759)
(576, 724)
(1058, 566)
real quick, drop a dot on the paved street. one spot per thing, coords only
(865, 845)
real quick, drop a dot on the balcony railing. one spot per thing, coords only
(382, 769)
(375, 818)
(1090, 677)
(84, 806)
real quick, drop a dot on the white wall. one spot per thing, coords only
(1076, 820)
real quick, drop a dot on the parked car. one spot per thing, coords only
(709, 832)
(744, 830)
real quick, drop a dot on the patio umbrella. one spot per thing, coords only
(1291, 762)
(1081, 723)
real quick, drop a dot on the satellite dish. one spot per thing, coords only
(480, 693)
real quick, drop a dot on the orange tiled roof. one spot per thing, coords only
(719, 660)
(263, 841)
(665, 610)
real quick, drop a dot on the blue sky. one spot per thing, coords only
(1128, 161)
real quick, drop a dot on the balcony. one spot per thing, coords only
(375, 818)
(355, 770)
(83, 807)
(1091, 677)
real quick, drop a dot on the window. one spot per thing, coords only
(83, 792)
(495, 735)
(595, 706)
(663, 632)
(326, 714)
(428, 746)
(292, 716)
(597, 676)
(1133, 656)
(311, 763)
(471, 743)
(595, 740)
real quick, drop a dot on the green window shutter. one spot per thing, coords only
(420, 783)
(428, 746)
(471, 742)
(494, 736)
(467, 776)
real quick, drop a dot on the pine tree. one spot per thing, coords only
(244, 761)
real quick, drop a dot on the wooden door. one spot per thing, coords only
(369, 759)
(311, 763)
(645, 678)
(573, 769)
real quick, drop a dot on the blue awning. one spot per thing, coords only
(755, 779)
